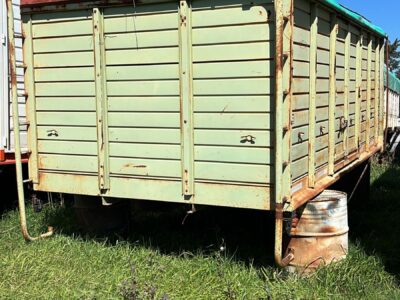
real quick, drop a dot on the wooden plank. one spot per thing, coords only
(29, 78)
(142, 56)
(154, 151)
(332, 94)
(68, 163)
(66, 118)
(247, 155)
(234, 69)
(143, 72)
(232, 52)
(245, 86)
(369, 85)
(62, 16)
(65, 104)
(233, 104)
(220, 137)
(130, 119)
(58, 29)
(232, 172)
(233, 121)
(145, 167)
(137, 40)
(376, 92)
(65, 89)
(67, 147)
(346, 88)
(101, 105)
(71, 59)
(143, 88)
(64, 74)
(210, 16)
(232, 34)
(67, 133)
(143, 104)
(313, 89)
(128, 21)
(145, 135)
(186, 100)
(63, 44)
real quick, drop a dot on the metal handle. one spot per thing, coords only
(343, 123)
(300, 136)
(248, 138)
(52, 132)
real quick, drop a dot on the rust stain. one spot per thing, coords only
(130, 165)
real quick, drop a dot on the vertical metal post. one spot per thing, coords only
(281, 21)
(313, 95)
(382, 90)
(346, 90)
(278, 129)
(186, 98)
(287, 77)
(377, 90)
(357, 125)
(386, 110)
(368, 118)
(332, 93)
(17, 144)
(101, 101)
(31, 100)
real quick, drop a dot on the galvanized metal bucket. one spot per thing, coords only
(319, 232)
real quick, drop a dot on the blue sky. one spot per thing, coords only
(384, 13)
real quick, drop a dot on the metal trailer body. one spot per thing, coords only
(6, 125)
(393, 102)
(250, 104)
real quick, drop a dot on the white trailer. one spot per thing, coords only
(6, 124)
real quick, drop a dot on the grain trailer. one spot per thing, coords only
(248, 104)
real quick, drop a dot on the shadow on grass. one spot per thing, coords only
(244, 235)
(247, 235)
(374, 222)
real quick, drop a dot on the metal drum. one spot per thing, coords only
(319, 232)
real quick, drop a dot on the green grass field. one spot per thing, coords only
(217, 254)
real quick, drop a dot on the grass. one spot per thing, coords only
(218, 254)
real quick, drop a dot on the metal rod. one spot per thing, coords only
(17, 144)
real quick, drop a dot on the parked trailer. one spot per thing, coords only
(6, 124)
(249, 104)
(392, 90)
(392, 94)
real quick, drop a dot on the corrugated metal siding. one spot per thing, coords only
(65, 91)
(6, 110)
(345, 94)
(233, 87)
(142, 58)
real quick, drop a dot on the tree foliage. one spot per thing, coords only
(394, 57)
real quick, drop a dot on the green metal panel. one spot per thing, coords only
(198, 100)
